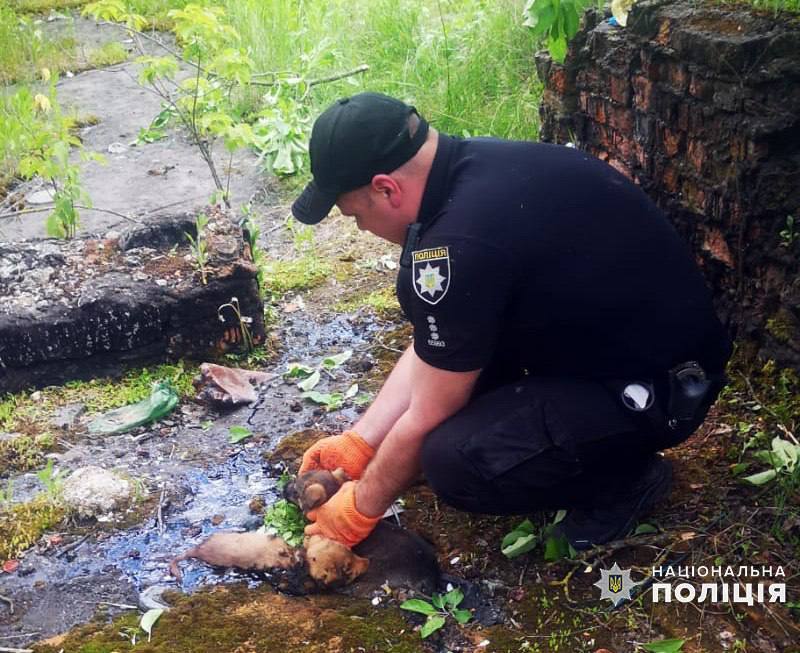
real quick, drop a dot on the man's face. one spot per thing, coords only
(373, 213)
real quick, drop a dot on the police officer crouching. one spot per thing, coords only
(563, 334)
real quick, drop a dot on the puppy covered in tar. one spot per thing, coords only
(310, 490)
(252, 551)
(328, 563)
(332, 564)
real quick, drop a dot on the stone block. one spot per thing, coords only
(87, 307)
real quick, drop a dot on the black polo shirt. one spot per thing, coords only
(541, 259)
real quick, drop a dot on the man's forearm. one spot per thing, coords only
(392, 401)
(395, 466)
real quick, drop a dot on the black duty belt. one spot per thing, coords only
(673, 401)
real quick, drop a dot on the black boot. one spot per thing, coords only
(613, 512)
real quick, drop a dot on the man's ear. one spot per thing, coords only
(387, 186)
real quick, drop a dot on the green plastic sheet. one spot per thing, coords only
(162, 401)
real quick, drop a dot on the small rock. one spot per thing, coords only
(216, 520)
(40, 197)
(296, 407)
(66, 417)
(256, 505)
(36, 396)
(116, 148)
(93, 491)
(161, 282)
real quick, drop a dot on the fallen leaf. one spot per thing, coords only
(10, 566)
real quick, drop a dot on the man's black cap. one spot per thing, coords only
(353, 140)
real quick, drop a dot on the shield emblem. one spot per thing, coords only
(431, 273)
(615, 583)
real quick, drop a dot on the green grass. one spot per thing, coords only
(492, 85)
(776, 6)
(22, 412)
(297, 274)
(26, 49)
(44, 6)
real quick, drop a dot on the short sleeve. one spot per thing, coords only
(455, 294)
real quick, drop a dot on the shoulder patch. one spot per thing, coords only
(431, 273)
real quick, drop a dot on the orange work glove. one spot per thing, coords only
(338, 519)
(348, 451)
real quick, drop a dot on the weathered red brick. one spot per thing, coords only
(678, 76)
(623, 144)
(683, 117)
(558, 79)
(697, 154)
(670, 176)
(715, 244)
(621, 118)
(701, 88)
(620, 90)
(642, 92)
(672, 141)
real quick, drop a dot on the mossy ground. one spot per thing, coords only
(21, 525)
(237, 619)
(30, 412)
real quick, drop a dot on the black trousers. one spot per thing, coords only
(541, 443)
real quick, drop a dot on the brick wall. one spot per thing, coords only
(700, 105)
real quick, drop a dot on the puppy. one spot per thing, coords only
(310, 490)
(332, 564)
(327, 562)
(251, 551)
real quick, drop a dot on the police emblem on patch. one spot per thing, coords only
(431, 270)
(616, 584)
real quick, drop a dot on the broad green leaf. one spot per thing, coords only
(738, 468)
(431, 625)
(311, 382)
(524, 528)
(453, 598)
(352, 391)
(556, 548)
(664, 646)
(559, 516)
(298, 371)
(762, 477)
(149, 619)
(438, 601)
(418, 605)
(238, 433)
(557, 47)
(462, 616)
(644, 529)
(331, 401)
(331, 362)
(520, 545)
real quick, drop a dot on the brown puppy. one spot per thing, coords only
(252, 551)
(327, 562)
(312, 489)
(332, 564)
